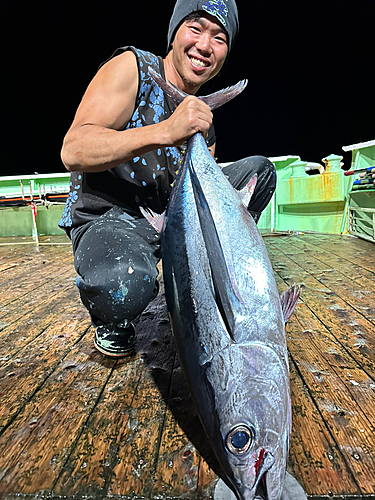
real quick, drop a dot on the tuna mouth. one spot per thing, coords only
(260, 486)
(261, 490)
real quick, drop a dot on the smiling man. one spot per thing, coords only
(124, 149)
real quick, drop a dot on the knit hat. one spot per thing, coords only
(225, 12)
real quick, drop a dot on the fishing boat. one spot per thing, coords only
(77, 425)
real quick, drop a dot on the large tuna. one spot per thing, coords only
(227, 318)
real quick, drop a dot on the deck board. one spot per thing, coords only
(74, 423)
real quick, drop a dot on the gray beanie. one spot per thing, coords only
(225, 12)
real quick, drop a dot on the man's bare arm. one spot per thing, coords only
(96, 142)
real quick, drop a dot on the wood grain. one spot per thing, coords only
(76, 424)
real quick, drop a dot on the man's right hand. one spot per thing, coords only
(190, 117)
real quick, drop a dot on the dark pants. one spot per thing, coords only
(116, 255)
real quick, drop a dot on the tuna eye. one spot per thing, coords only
(240, 439)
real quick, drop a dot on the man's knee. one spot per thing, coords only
(261, 166)
(240, 172)
(118, 273)
(121, 297)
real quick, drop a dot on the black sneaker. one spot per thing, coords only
(116, 342)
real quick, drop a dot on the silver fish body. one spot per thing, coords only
(238, 377)
(228, 324)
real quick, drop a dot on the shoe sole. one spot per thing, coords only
(125, 354)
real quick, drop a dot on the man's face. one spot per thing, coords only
(199, 50)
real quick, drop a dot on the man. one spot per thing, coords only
(124, 149)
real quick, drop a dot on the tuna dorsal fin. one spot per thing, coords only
(214, 100)
(289, 300)
(247, 191)
(155, 220)
(227, 295)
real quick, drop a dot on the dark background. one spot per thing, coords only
(310, 67)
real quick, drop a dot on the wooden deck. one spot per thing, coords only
(78, 425)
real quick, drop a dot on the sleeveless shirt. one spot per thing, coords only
(145, 180)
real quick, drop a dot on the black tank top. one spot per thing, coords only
(145, 180)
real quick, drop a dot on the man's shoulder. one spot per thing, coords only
(143, 56)
(146, 57)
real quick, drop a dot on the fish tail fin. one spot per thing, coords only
(214, 100)
(171, 90)
(155, 220)
(223, 96)
(247, 192)
(289, 300)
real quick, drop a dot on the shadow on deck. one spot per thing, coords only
(75, 424)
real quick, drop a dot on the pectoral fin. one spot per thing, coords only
(289, 300)
(247, 192)
(155, 220)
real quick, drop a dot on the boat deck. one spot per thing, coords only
(75, 424)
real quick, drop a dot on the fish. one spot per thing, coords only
(227, 317)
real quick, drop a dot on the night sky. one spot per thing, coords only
(310, 67)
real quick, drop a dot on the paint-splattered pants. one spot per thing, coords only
(116, 255)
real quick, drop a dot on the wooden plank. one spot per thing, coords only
(321, 468)
(357, 293)
(22, 376)
(360, 430)
(89, 468)
(315, 458)
(35, 447)
(118, 449)
(351, 330)
(355, 250)
(134, 472)
(124, 442)
(22, 279)
(178, 463)
(330, 381)
(324, 261)
(24, 330)
(20, 254)
(316, 255)
(344, 373)
(16, 309)
(353, 271)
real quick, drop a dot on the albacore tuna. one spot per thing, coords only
(227, 317)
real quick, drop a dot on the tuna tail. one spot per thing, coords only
(214, 100)
(227, 295)
(289, 300)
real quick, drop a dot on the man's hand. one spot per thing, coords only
(190, 117)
